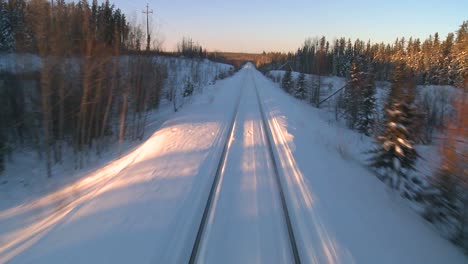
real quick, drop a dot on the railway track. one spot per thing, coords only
(215, 184)
(215, 187)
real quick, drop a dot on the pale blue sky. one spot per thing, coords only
(257, 25)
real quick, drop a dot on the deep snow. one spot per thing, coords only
(146, 206)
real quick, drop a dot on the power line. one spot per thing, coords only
(148, 39)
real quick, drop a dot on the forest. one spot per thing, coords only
(432, 61)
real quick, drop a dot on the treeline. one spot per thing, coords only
(190, 49)
(433, 61)
(86, 95)
(72, 23)
(406, 119)
(238, 59)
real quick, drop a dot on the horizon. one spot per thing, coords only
(283, 27)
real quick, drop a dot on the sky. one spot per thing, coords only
(261, 25)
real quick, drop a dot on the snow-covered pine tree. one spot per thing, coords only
(460, 63)
(413, 112)
(395, 155)
(300, 91)
(287, 83)
(445, 60)
(367, 108)
(353, 95)
(347, 58)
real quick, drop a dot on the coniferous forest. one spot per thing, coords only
(435, 60)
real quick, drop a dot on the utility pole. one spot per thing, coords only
(148, 39)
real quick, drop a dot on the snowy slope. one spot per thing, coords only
(146, 206)
(343, 213)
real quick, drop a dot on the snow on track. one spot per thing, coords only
(246, 223)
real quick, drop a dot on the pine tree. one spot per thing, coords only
(395, 154)
(459, 66)
(414, 119)
(353, 95)
(367, 107)
(300, 91)
(189, 87)
(287, 83)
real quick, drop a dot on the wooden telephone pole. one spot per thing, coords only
(148, 39)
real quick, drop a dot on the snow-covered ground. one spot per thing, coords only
(146, 206)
